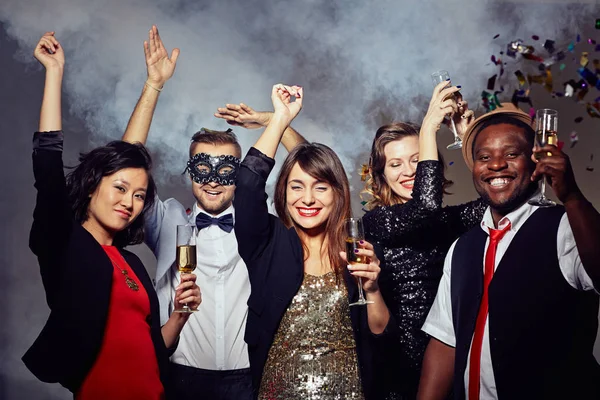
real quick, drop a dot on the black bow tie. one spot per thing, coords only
(225, 222)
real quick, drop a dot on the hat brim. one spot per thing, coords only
(506, 109)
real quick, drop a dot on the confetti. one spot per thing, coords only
(591, 41)
(590, 167)
(560, 145)
(569, 90)
(598, 23)
(578, 38)
(589, 77)
(562, 67)
(188, 211)
(549, 46)
(593, 110)
(532, 57)
(535, 37)
(584, 60)
(597, 48)
(578, 120)
(451, 163)
(571, 47)
(497, 36)
(362, 203)
(491, 82)
(574, 139)
(521, 78)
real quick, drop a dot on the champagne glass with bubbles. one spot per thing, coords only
(437, 78)
(186, 255)
(354, 234)
(546, 132)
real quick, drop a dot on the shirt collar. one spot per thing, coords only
(516, 218)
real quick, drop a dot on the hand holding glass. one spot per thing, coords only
(437, 78)
(545, 133)
(354, 234)
(186, 255)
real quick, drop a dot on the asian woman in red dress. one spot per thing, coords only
(103, 338)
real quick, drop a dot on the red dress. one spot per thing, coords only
(126, 367)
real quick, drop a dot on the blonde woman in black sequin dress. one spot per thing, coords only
(304, 340)
(406, 217)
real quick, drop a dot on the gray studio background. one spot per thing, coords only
(362, 64)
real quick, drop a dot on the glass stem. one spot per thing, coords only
(543, 187)
(456, 137)
(361, 295)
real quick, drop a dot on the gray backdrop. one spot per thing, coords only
(362, 64)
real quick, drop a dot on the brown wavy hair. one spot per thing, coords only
(376, 186)
(320, 162)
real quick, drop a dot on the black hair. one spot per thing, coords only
(84, 179)
(507, 119)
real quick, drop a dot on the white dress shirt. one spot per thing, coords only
(439, 321)
(213, 337)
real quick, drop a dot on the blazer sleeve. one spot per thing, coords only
(52, 216)
(253, 223)
(387, 224)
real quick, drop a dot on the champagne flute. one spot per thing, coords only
(186, 255)
(354, 234)
(546, 129)
(437, 78)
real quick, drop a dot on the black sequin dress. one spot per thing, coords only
(415, 237)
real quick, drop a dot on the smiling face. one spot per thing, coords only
(117, 201)
(213, 197)
(309, 201)
(502, 168)
(401, 159)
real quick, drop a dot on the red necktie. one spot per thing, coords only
(475, 361)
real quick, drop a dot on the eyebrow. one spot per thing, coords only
(302, 182)
(123, 181)
(398, 158)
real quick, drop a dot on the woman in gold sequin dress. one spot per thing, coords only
(305, 342)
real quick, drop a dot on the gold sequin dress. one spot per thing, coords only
(313, 355)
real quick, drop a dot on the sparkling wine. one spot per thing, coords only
(186, 258)
(351, 245)
(543, 138)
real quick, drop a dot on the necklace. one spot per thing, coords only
(131, 283)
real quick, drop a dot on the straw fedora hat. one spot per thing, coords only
(507, 109)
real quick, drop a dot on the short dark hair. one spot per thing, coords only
(507, 119)
(215, 138)
(84, 179)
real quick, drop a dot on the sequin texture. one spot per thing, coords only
(313, 355)
(415, 237)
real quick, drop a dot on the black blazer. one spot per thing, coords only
(274, 257)
(77, 278)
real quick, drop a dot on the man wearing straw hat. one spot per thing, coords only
(516, 313)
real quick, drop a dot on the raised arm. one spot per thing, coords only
(52, 221)
(160, 68)
(583, 217)
(51, 55)
(253, 224)
(245, 116)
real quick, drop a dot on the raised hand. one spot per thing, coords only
(283, 107)
(243, 115)
(463, 117)
(49, 52)
(442, 103)
(556, 167)
(160, 66)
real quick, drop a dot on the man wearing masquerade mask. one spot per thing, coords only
(211, 360)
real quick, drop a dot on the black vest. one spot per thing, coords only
(542, 330)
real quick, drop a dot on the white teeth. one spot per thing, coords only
(499, 181)
(409, 183)
(307, 212)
